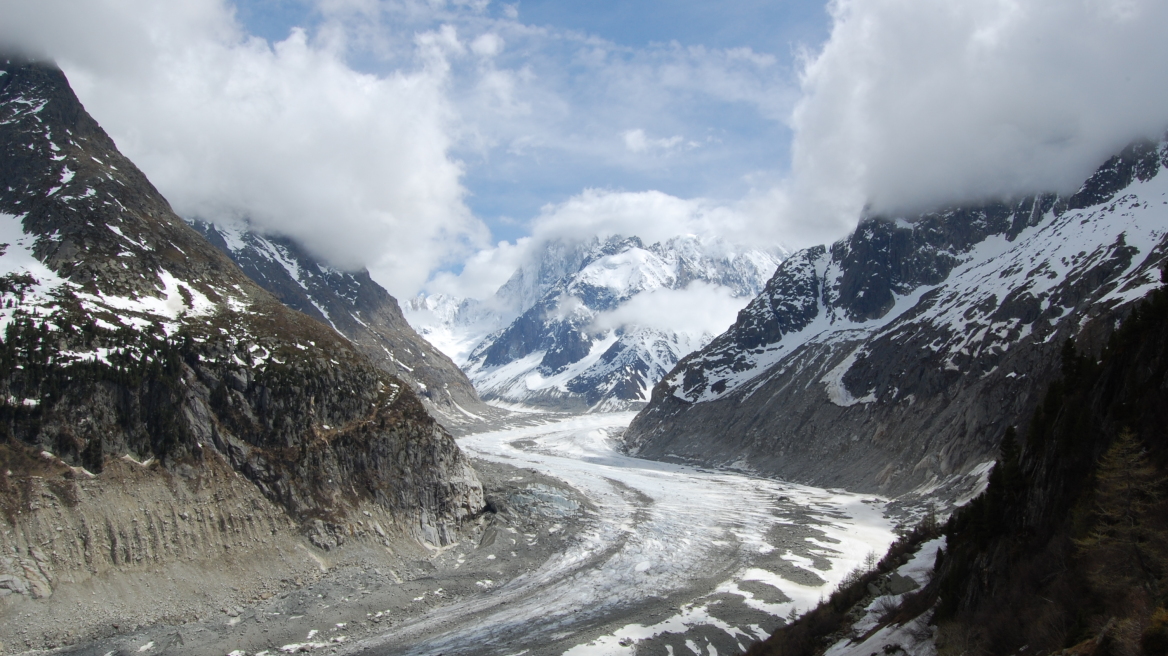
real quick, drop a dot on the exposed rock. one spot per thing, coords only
(356, 307)
(140, 339)
(895, 359)
(899, 584)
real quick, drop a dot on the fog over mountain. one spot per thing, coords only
(594, 323)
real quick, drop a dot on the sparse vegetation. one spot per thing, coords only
(1068, 545)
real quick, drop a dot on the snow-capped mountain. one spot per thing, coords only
(355, 306)
(455, 326)
(600, 322)
(897, 357)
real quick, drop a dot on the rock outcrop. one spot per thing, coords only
(894, 359)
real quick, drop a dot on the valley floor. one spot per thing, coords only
(667, 559)
(589, 552)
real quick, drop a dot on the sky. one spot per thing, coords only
(439, 143)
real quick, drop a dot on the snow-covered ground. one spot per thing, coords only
(675, 560)
(915, 638)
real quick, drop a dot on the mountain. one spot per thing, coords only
(895, 359)
(356, 307)
(1066, 550)
(159, 411)
(599, 322)
(455, 325)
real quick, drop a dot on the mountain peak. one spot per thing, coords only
(578, 342)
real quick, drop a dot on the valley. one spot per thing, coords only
(641, 432)
(587, 551)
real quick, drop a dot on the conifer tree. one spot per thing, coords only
(1127, 548)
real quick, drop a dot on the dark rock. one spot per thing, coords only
(356, 306)
(899, 584)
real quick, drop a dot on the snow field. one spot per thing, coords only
(914, 637)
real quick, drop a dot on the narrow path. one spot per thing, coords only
(676, 560)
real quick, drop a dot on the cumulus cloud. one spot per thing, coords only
(913, 104)
(360, 134)
(699, 309)
(287, 135)
(650, 215)
(483, 272)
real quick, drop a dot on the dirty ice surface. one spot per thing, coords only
(676, 560)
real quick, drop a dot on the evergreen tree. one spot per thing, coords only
(1127, 547)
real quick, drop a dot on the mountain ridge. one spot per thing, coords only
(138, 359)
(354, 305)
(890, 361)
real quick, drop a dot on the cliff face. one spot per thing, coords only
(894, 359)
(128, 334)
(356, 307)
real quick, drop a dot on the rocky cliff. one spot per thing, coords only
(129, 338)
(894, 359)
(356, 307)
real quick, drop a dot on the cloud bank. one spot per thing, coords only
(287, 135)
(653, 216)
(370, 134)
(913, 104)
(699, 309)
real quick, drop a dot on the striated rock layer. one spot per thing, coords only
(128, 335)
(895, 359)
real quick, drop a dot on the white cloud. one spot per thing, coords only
(483, 272)
(699, 309)
(487, 45)
(652, 216)
(288, 135)
(911, 104)
(637, 142)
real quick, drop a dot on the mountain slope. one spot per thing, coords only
(594, 335)
(1069, 544)
(128, 338)
(895, 358)
(356, 307)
